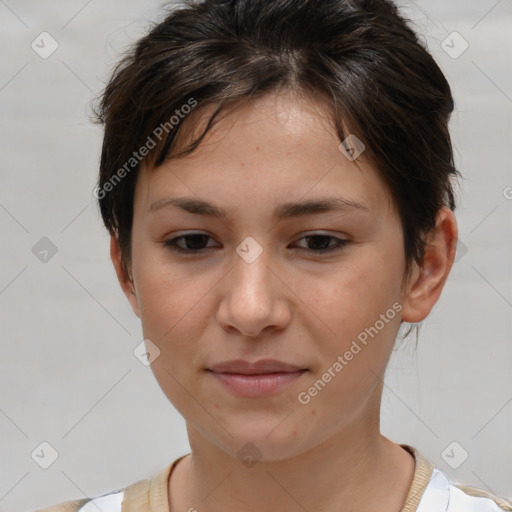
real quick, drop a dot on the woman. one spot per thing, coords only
(276, 178)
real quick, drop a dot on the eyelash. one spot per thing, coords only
(172, 244)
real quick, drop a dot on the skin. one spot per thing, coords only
(288, 304)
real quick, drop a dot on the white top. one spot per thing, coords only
(110, 502)
(442, 495)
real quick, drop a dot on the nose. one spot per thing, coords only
(254, 298)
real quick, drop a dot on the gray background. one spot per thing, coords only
(67, 372)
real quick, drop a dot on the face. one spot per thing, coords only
(320, 288)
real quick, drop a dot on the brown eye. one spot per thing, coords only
(320, 243)
(194, 243)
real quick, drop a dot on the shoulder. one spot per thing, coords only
(479, 496)
(442, 494)
(148, 494)
(109, 502)
(432, 491)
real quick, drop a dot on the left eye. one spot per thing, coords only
(322, 243)
(195, 243)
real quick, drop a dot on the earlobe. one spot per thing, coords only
(428, 281)
(123, 274)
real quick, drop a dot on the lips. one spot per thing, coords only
(261, 367)
(255, 380)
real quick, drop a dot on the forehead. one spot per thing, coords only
(279, 145)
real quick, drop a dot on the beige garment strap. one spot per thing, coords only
(136, 497)
(68, 506)
(422, 473)
(150, 495)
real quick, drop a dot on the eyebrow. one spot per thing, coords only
(283, 211)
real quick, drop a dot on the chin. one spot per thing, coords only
(264, 442)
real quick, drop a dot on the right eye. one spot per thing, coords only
(194, 242)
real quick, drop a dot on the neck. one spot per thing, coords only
(352, 471)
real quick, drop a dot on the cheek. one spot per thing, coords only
(172, 316)
(356, 311)
(354, 292)
(357, 326)
(169, 297)
(169, 304)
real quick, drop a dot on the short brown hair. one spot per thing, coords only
(358, 55)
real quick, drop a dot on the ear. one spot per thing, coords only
(427, 282)
(123, 275)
